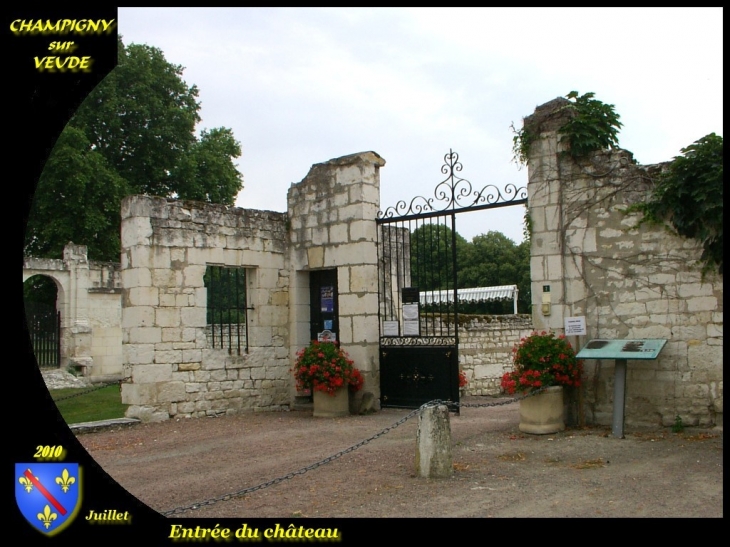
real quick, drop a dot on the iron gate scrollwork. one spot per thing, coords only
(417, 253)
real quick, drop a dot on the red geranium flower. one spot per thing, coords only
(324, 366)
(542, 360)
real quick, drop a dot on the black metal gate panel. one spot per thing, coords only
(417, 287)
(413, 375)
(44, 327)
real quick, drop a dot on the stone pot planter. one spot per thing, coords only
(543, 413)
(331, 406)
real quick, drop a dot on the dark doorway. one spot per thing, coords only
(323, 314)
(43, 320)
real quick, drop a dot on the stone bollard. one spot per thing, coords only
(433, 443)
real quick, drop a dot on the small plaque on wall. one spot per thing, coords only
(390, 328)
(327, 336)
(575, 326)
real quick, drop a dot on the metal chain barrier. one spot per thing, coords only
(435, 402)
(95, 388)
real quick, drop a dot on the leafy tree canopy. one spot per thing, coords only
(134, 134)
(432, 265)
(493, 259)
(489, 260)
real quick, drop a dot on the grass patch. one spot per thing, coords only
(100, 404)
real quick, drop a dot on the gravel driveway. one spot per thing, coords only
(498, 471)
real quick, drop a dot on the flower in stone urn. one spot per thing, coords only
(542, 360)
(326, 367)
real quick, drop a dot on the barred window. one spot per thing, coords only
(226, 314)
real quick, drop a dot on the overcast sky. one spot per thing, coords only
(302, 86)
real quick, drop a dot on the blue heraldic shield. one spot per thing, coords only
(48, 494)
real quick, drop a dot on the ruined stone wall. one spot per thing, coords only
(89, 299)
(629, 280)
(166, 248)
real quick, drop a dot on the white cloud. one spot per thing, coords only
(301, 86)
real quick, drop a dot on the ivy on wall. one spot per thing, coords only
(688, 195)
(688, 192)
(593, 125)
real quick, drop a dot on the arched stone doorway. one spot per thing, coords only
(43, 319)
(88, 297)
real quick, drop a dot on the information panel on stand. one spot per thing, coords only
(622, 349)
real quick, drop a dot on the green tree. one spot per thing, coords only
(209, 175)
(432, 265)
(134, 134)
(493, 259)
(77, 199)
(489, 260)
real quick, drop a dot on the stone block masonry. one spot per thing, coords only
(88, 300)
(629, 279)
(332, 214)
(168, 246)
(485, 349)
(175, 367)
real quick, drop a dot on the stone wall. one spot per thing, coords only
(485, 348)
(89, 300)
(629, 280)
(166, 248)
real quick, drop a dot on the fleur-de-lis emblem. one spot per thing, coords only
(65, 480)
(47, 516)
(26, 483)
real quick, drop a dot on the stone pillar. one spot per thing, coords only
(433, 445)
(76, 329)
(332, 215)
(545, 208)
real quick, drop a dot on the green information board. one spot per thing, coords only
(622, 349)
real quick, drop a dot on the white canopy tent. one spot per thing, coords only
(477, 294)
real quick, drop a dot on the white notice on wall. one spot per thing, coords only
(390, 328)
(575, 326)
(326, 336)
(410, 312)
(410, 328)
(411, 320)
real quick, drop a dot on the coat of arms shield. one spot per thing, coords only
(48, 494)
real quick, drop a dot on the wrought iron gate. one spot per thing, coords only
(44, 327)
(417, 287)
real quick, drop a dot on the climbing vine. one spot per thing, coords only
(593, 125)
(521, 143)
(688, 195)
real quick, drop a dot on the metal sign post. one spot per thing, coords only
(621, 351)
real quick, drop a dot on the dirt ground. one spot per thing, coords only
(498, 471)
